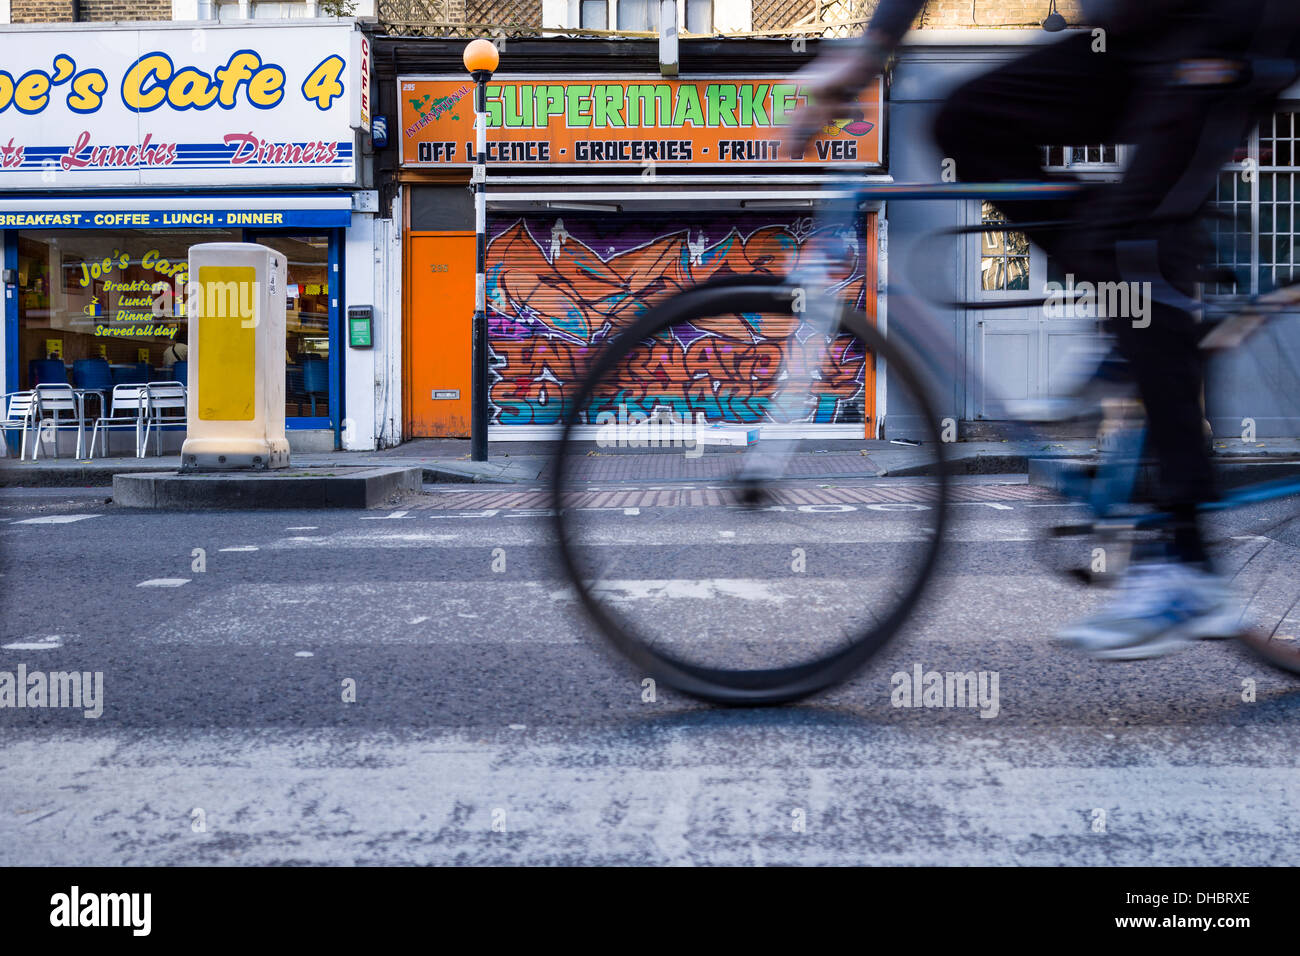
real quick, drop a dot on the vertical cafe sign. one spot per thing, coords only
(180, 106)
(722, 121)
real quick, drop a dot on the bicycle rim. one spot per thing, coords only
(749, 603)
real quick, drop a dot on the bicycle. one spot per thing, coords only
(793, 644)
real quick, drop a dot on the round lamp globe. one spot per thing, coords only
(481, 57)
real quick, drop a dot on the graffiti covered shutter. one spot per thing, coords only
(558, 287)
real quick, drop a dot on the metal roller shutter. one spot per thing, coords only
(558, 286)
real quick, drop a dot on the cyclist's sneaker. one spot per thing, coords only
(1160, 608)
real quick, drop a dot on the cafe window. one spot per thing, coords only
(307, 321)
(107, 296)
(117, 299)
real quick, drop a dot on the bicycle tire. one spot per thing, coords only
(749, 687)
(1282, 652)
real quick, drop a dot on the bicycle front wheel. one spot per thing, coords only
(747, 575)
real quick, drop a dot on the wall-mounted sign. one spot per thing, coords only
(719, 121)
(361, 102)
(128, 218)
(172, 105)
(360, 332)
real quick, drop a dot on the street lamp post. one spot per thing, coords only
(481, 60)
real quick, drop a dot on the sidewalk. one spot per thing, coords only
(447, 460)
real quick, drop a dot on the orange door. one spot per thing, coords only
(439, 321)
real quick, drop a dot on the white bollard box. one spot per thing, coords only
(235, 408)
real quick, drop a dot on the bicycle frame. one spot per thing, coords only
(810, 285)
(1111, 490)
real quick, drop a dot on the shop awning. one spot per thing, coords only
(254, 211)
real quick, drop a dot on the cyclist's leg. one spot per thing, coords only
(1185, 121)
(994, 126)
(1066, 92)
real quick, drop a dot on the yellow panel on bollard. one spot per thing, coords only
(235, 409)
(227, 353)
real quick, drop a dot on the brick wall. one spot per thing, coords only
(92, 11)
(774, 15)
(955, 14)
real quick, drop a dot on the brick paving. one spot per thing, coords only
(688, 496)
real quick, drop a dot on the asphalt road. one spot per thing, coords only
(490, 726)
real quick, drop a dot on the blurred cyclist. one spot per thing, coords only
(1183, 81)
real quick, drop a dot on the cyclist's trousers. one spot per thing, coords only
(1185, 121)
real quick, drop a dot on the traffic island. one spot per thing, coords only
(286, 489)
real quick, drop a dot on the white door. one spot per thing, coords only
(1018, 354)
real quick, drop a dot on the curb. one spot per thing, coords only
(69, 477)
(102, 476)
(362, 488)
(449, 474)
(1051, 473)
(966, 465)
(1235, 469)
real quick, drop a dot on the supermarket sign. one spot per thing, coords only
(177, 105)
(719, 121)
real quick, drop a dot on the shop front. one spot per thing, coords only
(144, 141)
(605, 195)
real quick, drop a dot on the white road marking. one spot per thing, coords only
(163, 583)
(387, 517)
(631, 511)
(303, 654)
(418, 620)
(37, 644)
(55, 519)
(242, 547)
(368, 539)
(748, 589)
(303, 527)
(726, 534)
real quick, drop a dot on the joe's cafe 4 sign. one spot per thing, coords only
(176, 105)
(722, 121)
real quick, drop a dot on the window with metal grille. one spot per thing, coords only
(1105, 156)
(1255, 232)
